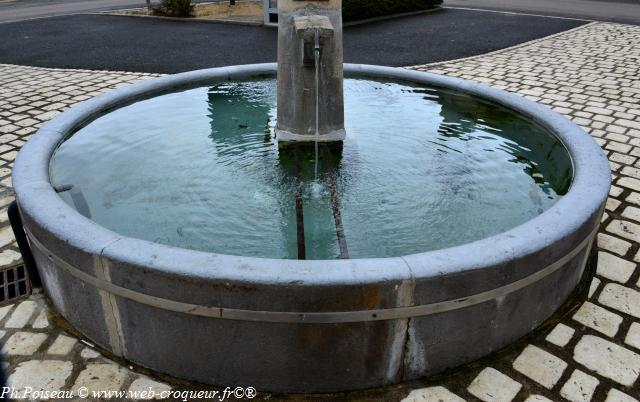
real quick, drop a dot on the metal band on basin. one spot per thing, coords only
(331, 317)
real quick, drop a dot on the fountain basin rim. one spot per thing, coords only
(312, 317)
(566, 219)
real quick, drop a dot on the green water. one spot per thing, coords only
(421, 169)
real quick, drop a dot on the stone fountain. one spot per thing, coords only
(469, 213)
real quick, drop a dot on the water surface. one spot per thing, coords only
(421, 169)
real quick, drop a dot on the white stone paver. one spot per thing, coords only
(4, 311)
(615, 268)
(633, 336)
(493, 386)
(593, 287)
(580, 387)
(62, 345)
(591, 75)
(608, 359)
(88, 353)
(631, 212)
(616, 396)
(101, 377)
(154, 389)
(40, 375)
(560, 335)
(625, 229)
(41, 320)
(613, 244)
(23, 343)
(6, 236)
(21, 315)
(537, 398)
(598, 318)
(621, 298)
(540, 365)
(9, 257)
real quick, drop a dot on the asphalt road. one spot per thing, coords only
(625, 11)
(103, 42)
(16, 10)
(20, 10)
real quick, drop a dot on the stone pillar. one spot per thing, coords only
(297, 23)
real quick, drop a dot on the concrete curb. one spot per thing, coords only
(248, 23)
(190, 19)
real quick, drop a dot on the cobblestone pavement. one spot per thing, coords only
(590, 74)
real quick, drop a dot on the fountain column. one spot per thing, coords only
(303, 27)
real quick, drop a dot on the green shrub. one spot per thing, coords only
(174, 8)
(353, 10)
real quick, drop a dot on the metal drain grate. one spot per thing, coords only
(14, 284)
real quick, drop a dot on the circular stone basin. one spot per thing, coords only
(165, 224)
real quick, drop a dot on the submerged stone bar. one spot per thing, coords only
(302, 254)
(335, 203)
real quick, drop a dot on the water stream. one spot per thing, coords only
(316, 186)
(316, 50)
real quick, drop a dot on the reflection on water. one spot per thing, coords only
(420, 169)
(241, 115)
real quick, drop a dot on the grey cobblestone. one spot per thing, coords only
(101, 377)
(633, 336)
(41, 375)
(561, 335)
(598, 318)
(21, 315)
(23, 343)
(621, 298)
(612, 267)
(608, 359)
(580, 387)
(616, 396)
(540, 365)
(432, 394)
(62, 345)
(613, 244)
(493, 386)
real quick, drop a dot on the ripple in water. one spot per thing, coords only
(421, 169)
